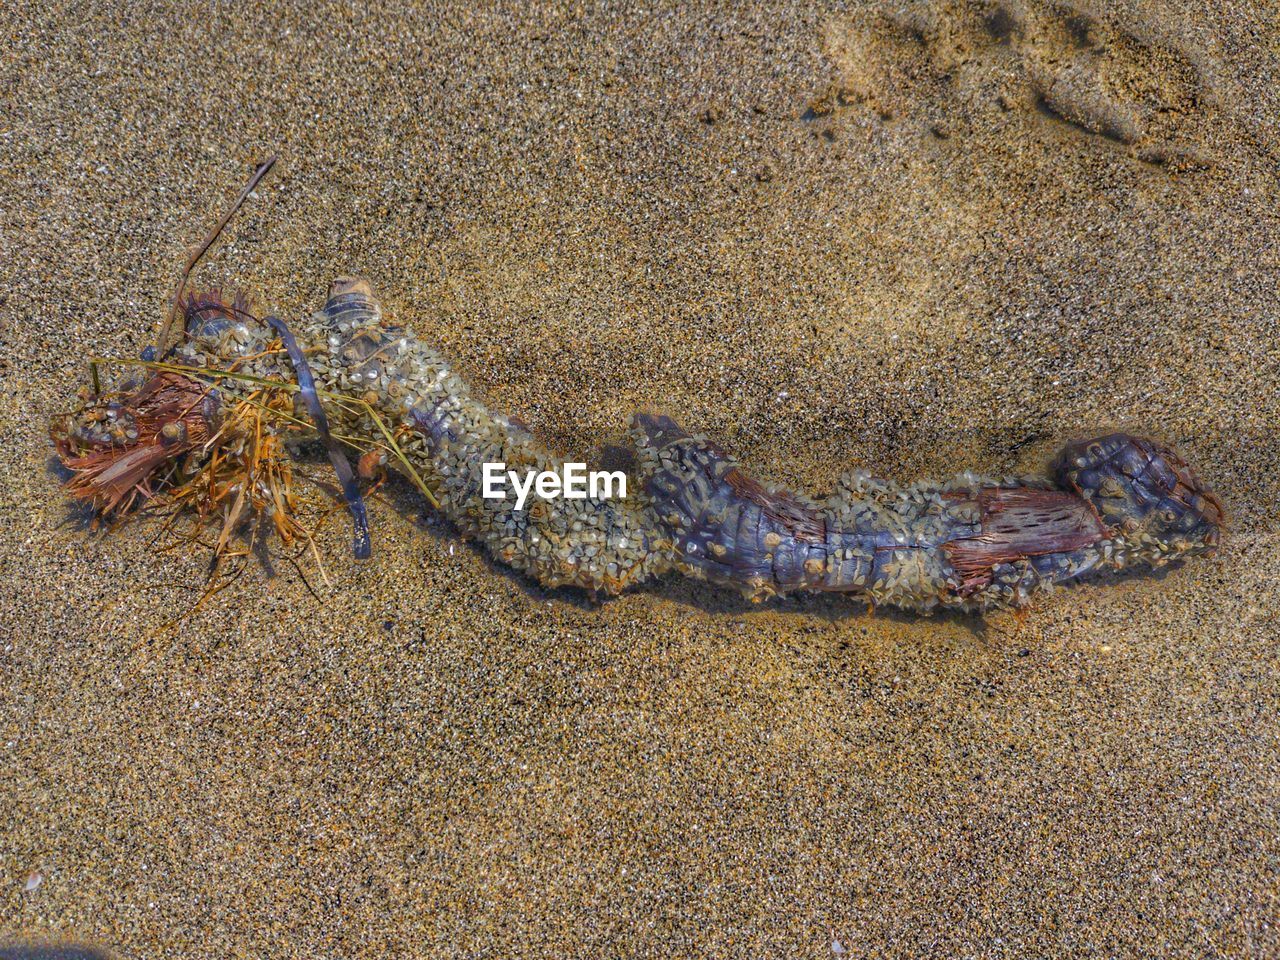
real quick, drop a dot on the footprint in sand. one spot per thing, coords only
(953, 62)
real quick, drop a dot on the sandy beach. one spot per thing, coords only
(916, 237)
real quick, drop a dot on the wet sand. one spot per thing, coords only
(952, 237)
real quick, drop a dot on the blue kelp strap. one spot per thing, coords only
(361, 545)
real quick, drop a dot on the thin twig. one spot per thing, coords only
(162, 343)
(303, 577)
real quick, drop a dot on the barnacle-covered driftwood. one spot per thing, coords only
(970, 543)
